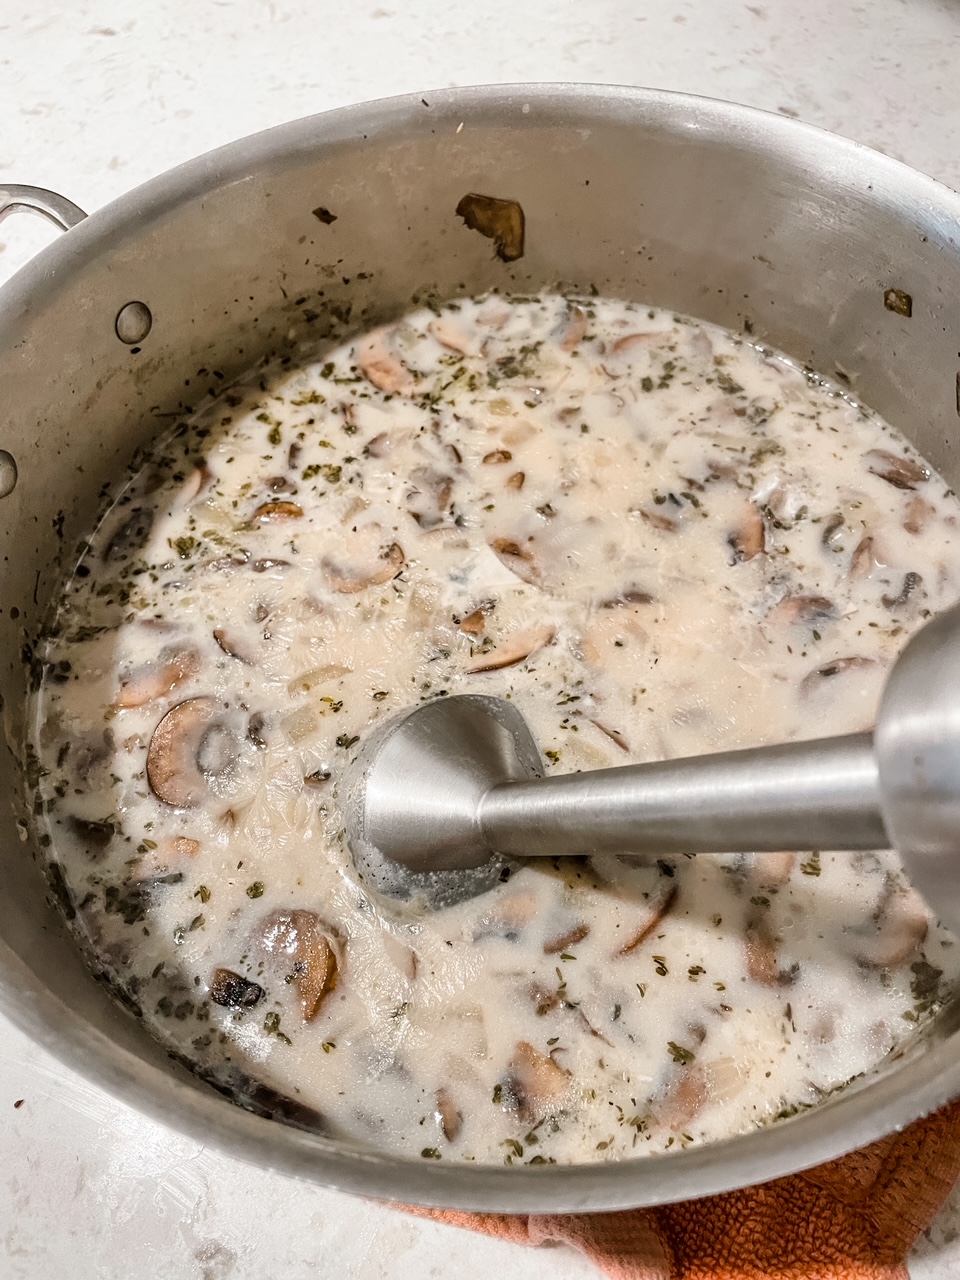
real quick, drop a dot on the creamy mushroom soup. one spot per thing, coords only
(655, 537)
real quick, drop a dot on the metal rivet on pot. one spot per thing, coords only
(8, 473)
(133, 323)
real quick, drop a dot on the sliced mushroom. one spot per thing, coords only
(233, 991)
(564, 941)
(179, 749)
(813, 680)
(864, 559)
(273, 512)
(917, 514)
(317, 676)
(256, 726)
(380, 446)
(615, 736)
(833, 526)
(475, 622)
(512, 649)
(629, 596)
(196, 482)
(784, 502)
(772, 870)
(264, 1101)
(660, 518)
(450, 335)
(308, 948)
(268, 563)
(508, 918)
(319, 777)
(899, 930)
(494, 313)
(631, 342)
(153, 680)
(763, 957)
(682, 1100)
(572, 329)
(796, 610)
(381, 366)
(911, 581)
(762, 962)
(517, 559)
(537, 1085)
(901, 472)
(544, 999)
(653, 920)
(350, 578)
(502, 221)
(718, 469)
(429, 497)
(449, 1117)
(231, 647)
(748, 539)
(174, 851)
(236, 561)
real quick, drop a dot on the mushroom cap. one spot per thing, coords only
(173, 768)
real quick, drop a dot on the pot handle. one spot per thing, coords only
(63, 213)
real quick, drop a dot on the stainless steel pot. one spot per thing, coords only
(833, 253)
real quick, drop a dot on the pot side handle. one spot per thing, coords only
(63, 213)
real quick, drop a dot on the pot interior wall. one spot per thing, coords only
(762, 226)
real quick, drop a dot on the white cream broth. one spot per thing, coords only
(657, 539)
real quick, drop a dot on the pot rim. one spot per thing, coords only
(879, 1105)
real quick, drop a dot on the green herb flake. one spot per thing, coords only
(680, 1055)
(185, 547)
(255, 890)
(327, 470)
(812, 865)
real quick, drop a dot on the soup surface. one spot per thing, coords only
(654, 537)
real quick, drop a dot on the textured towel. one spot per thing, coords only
(852, 1219)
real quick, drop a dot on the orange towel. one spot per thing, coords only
(852, 1219)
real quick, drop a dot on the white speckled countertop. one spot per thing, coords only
(97, 96)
